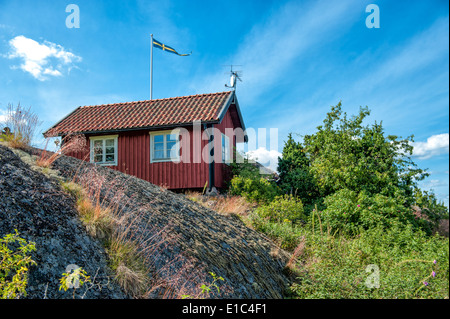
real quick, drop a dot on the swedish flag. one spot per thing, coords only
(164, 47)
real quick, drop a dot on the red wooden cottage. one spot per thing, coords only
(180, 143)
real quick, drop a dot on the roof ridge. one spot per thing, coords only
(163, 99)
(146, 113)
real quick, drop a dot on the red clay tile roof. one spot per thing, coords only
(151, 113)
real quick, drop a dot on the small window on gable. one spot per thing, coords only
(225, 149)
(164, 146)
(104, 150)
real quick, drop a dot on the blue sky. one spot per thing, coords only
(297, 59)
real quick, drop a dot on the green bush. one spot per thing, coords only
(281, 220)
(14, 262)
(349, 212)
(254, 190)
(244, 168)
(284, 208)
(429, 205)
(410, 265)
(287, 235)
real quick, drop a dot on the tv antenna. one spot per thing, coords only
(234, 75)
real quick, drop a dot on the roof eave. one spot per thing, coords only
(55, 125)
(233, 99)
(150, 128)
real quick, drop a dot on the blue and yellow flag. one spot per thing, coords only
(164, 47)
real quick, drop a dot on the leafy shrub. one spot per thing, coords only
(244, 168)
(287, 235)
(350, 212)
(254, 190)
(14, 262)
(293, 169)
(429, 205)
(73, 280)
(345, 154)
(284, 208)
(206, 288)
(410, 263)
(280, 220)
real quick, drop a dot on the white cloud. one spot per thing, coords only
(3, 114)
(41, 60)
(435, 145)
(265, 157)
(432, 184)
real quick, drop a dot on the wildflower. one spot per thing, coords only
(425, 283)
(358, 205)
(433, 273)
(434, 261)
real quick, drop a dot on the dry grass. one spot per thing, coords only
(130, 270)
(97, 220)
(298, 251)
(132, 281)
(73, 188)
(98, 206)
(70, 143)
(19, 126)
(233, 205)
(225, 205)
(139, 259)
(137, 249)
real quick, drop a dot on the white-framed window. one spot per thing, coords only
(225, 149)
(164, 146)
(104, 149)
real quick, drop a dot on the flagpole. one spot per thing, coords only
(151, 67)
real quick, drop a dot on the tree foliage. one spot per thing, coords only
(294, 172)
(248, 182)
(15, 260)
(345, 154)
(258, 190)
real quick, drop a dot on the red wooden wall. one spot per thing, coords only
(134, 159)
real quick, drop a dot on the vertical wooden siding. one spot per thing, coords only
(133, 157)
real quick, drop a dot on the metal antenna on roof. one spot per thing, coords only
(234, 75)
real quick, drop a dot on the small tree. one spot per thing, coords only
(284, 208)
(345, 154)
(293, 169)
